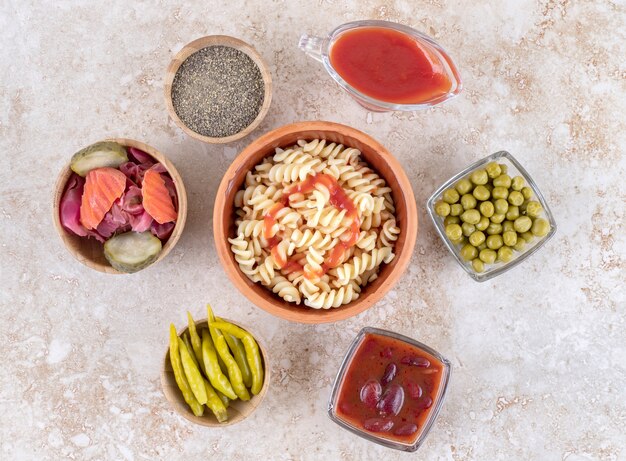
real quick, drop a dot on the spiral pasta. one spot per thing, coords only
(314, 224)
(332, 298)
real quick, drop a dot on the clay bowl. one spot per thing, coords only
(89, 251)
(238, 410)
(377, 157)
(216, 40)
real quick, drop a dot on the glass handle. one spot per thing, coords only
(312, 46)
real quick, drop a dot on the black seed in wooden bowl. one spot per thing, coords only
(218, 91)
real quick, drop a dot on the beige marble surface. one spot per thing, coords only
(539, 354)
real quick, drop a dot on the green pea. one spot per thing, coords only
(493, 169)
(494, 228)
(534, 209)
(450, 196)
(456, 209)
(464, 186)
(517, 183)
(483, 223)
(477, 238)
(478, 265)
(481, 193)
(513, 213)
(501, 206)
(442, 208)
(527, 236)
(527, 192)
(468, 229)
(509, 238)
(540, 227)
(500, 192)
(522, 224)
(451, 220)
(454, 231)
(507, 226)
(481, 247)
(479, 177)
(523, 206)
(468, 202)
(497, 218)
(519, 246)
(487, 209)
(504, 180)
(505, 254)
(516, 198)
(487, 256)
(469, 252)
(494, 242)
(489, 187)
(460, 242)
(504, 168)
(470, 216)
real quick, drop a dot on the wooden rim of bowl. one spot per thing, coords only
(238, 410)
(215, 40)
(89, 251)
(264, 298)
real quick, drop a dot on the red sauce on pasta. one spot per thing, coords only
(269, 220)
(339, 199)
(336, 255)
(280, 261)
(292, 266)
(273, 241)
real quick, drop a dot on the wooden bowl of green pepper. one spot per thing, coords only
(235, 389)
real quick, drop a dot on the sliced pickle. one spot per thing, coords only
(98, 155)
(132, 251)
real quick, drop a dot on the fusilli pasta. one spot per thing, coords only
(314, 223)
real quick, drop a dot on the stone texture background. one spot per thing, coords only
(539, 354)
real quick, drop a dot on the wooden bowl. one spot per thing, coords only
(215, 40)
(377, 157)
(238, 410)
(89, 251)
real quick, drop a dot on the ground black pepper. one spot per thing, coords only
(218, 91)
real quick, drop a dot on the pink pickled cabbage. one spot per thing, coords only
(171, 188)
(116, 220)
(131, 201)
(141, 222)
(159, 168)
(134, 172)
(162, 231)
(69, 208)
(127, 212)
(140, 156)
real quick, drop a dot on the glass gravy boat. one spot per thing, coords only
(320, 48)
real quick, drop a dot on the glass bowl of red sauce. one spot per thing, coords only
(386, 66)
(389, 389)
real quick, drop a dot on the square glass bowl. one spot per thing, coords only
(421, 402)
(499, 267)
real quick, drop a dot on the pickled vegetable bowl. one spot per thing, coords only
(215, 364)
(122, 197)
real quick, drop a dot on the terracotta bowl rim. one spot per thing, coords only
(301, 313)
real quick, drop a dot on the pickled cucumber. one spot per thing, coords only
(132, 251)
(98, 155)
